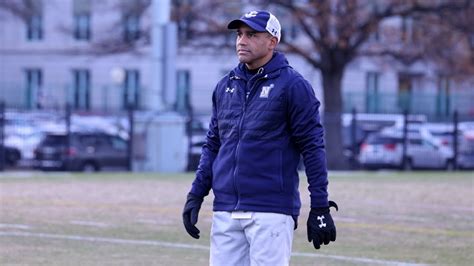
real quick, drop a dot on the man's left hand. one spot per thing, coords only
(321, 228)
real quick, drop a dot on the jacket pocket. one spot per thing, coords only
(223, 171)
(260, 169)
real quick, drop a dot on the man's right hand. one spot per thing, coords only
(190, 214)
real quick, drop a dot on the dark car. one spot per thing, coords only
(87, 152)
(12, 155)
(197, 139)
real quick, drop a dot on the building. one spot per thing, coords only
(73, 51)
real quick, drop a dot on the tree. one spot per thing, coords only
(22, 9)
(335, 32)
(339, 30)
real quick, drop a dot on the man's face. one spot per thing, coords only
(254, 48)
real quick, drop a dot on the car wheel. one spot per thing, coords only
(13, 158)
(89, 167)
(449, 165)
(407, 165)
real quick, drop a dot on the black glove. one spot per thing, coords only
(321, 228)
(295, 219)
(190, 214)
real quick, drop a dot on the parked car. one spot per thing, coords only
(88, 152)
(368, 123)
(465, 158)
(12, 155)
(198, 130)
(385, 150)
(25, 143)
(381, 151)
(444, 132)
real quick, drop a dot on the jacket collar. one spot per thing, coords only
(277, 62)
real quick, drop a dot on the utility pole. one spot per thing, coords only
(163, 56)
(163, 128)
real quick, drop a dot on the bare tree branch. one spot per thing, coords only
(21, 9)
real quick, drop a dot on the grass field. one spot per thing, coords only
(385, 218)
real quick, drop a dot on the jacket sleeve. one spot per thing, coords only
(203, 181)
(308, 134)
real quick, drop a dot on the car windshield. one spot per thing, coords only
(378, 139)
(467, 146)
(54, 140)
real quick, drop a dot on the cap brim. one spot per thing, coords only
(235, 24)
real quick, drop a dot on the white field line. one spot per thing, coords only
(345, 219)
(187, 246)
(15, 226)
(104, 240)
(31, 174)
(90, 223)
(18, 175)
(148, 221)
(355, 259)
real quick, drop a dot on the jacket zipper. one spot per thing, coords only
(241, 122)
(236, 156)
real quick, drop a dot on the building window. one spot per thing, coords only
(290, 30)
(34, 93)
(293, 30)
(131, 28)
(443, 101)
(407, 29)
(82, 27)
(81, 89)
(371, 93)
(34, 22)
(183, 90)
(183, 19)
(132, 11)
(35, 28)
(131, 89)
(184, 28)
(229, 10)
(82, 19)
(407, 85)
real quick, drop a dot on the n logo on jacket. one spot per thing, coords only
(266, 91)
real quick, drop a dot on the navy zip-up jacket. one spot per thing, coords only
(255, 140)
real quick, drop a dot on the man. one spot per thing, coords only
(265, 115)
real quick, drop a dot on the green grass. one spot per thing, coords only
(419, 217)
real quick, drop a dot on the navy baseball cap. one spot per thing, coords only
(260, 21)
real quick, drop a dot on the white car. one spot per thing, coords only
(386, 150)
(465, 158)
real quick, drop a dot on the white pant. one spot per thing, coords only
(264, 239)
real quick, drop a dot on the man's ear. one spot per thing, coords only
(273, 43)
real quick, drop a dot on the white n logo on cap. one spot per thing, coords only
(251, 14)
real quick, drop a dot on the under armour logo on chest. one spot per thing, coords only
(320, 218)
(229, 90)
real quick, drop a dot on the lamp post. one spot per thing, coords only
(117, 75)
